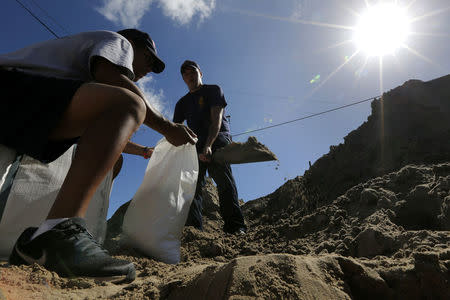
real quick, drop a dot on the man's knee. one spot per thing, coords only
(133, 105)
(111, 97)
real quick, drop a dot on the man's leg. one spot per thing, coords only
(230, 209)
(195, 211)
(117, 167)
(105, 117)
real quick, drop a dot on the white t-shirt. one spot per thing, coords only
(70, 57)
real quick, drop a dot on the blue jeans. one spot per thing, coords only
(228, 197)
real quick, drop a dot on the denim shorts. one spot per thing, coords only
(31, 107)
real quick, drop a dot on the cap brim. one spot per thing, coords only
(159, 65)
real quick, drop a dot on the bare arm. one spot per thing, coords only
(108, 73)
(136, 149)
(213, 131)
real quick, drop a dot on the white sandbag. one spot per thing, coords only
(33, 192)
(155, 218)
(7, 156)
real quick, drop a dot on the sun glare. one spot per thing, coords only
(382, 29)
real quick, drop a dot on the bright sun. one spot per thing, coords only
(382, 29)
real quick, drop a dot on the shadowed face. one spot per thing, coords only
(192, 77)
(142, 62)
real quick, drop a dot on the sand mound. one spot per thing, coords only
(280, 276)
(241, 153)
(409, 125)
(396, 226)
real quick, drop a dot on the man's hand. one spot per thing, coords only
(147, 152)
(206, 154)
(179, 134)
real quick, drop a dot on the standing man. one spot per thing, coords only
(203, 109)
(79, 88)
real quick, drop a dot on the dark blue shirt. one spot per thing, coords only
(195, 108)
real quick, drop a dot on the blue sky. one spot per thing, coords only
(265, 55)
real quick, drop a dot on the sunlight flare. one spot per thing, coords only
(423, 57)
(437, 34)
(292, 20)
(331, 75)
(382, 29)
(430, 14)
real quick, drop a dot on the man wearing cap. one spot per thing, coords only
(79, 88)
(203, 110)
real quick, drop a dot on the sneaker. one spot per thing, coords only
(70, 250)
(238, 231)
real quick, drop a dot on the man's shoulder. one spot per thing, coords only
(106, 33)
(212, 90)
(96, 36)
(212, 87)
(182, 99)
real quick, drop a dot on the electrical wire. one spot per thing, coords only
(306, 117)
(37, 18)
(50, 17)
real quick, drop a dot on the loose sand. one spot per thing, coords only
(240, 153)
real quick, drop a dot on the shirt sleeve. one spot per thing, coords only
(115, 48)
(216, 97)
(178, 115)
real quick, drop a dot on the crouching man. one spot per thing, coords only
(79, 88)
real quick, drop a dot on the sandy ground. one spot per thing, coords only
(386, 238)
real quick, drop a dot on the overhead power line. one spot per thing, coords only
(50, 17)
(37, 18)
(307, 117)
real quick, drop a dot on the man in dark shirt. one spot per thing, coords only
(203, 109)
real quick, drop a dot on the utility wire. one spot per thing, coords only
(50, 17)
(39, 20)
(307, 117)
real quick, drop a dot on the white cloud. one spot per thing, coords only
(182, 11)
(127, 13)
(154, 97)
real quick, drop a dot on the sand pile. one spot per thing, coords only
(365, 222)
(241, 153)
(386, 238)
(409, 125)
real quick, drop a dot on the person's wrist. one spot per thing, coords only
(169, 127)
(146, 155)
